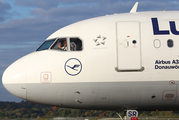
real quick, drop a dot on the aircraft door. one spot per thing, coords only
(128, 46)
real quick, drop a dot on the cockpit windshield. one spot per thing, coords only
(45, 45)
(62, 44)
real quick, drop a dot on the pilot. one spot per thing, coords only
(73, 46)
(64, 46)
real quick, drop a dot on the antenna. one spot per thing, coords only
(134, 9)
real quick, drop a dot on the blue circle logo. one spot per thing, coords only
(73, 66)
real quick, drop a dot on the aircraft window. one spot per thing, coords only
(157, 43)
(75, 44)
(45, 45)
(170, 43)
(60, 44)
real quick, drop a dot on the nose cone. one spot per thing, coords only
(14, 79)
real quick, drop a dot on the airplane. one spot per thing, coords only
(120, 62)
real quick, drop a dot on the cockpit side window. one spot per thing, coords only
(60, 44)
(75, 44)
(45, 45)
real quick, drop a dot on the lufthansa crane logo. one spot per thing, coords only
(73, 66)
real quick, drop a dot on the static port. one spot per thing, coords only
(153, 97)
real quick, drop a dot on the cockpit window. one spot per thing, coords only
(68, 44)
(75, 44)
(60, 44)
(45, 45)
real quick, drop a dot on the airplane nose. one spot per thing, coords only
(14, 79)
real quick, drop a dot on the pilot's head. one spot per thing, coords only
(65, 43)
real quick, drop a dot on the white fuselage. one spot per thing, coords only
(127, 61)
